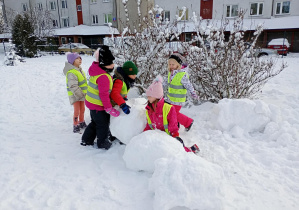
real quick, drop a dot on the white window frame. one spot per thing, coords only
(67, 22)
(52, 5)
(64, 4)
(281, 6)
(106, 1)
(230, 10)
(40, 6)
(164, 16)
(93, 1)
(79, 8)
(106, 18)
(186, 15)
(95, 19)
(24, 7)
(258, 8)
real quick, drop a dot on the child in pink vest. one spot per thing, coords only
(154, 110)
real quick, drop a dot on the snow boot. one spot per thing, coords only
(76, 129)
(84, 143)
(105, 145)
(195, 149)
(188, 128)
(82, 125)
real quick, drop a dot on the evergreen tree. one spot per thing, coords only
(23, 36)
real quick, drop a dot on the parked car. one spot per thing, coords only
(75, 47)
(259, 52)
(281, 45)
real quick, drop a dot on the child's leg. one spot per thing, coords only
(82, 110)
(182, 119)
(76, 112)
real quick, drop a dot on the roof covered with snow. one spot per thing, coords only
(5, 36)
(85, 30)
(250, 24)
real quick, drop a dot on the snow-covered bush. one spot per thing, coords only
(220, 67)
(227, 68)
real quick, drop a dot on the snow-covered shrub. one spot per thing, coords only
(145, 46)
(228, 68)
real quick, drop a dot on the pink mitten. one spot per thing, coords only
(112, 112)
(187, 149)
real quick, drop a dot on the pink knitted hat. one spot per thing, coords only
(156, 88)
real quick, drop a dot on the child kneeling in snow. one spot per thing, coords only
(161, 115)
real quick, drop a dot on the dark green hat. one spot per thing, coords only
(130, 68)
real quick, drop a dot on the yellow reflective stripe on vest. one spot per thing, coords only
(92, 95)
(82, 82)
(166, 110)
(176, 91)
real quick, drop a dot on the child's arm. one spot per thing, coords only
(115, 93)
(104, 86)
(187, 84)
(74, 86)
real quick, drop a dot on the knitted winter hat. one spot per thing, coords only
(156, 88)
(71, 57)
(105, 56)
(130, 68)
(177, 57)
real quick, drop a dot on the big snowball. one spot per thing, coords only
(126, 126)
(148, 147)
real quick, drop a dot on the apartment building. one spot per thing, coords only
(280, 17)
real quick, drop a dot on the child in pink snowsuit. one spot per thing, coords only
(178, 84)
(157, 110)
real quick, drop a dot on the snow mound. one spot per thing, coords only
(143, 150)
(125, 127)
(187, 181)
(241, 115)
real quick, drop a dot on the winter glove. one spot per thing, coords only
(180, 140)
(112, 112)
(125, 98)
(125, 108)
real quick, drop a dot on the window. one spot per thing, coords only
(24, 7)
(79, 8)
(106, 1)
(188, 37)
(93, 1)
(95, 19)
(55, 23)
(108, 18)
(185, 17)
(79, 39)
(40, 6)
(166, 16)
(63, 4)
(65, 22)
(63, 40)
(231, 10)
(52, 5)
(256, 8)
(283, 7)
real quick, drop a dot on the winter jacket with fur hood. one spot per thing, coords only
(104, 86)
(73, 85)
(157, 119)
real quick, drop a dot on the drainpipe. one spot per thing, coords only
(4, 12)
(272, 8)
(58, 14)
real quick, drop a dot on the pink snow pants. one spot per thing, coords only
(182, 119)
(79, 109)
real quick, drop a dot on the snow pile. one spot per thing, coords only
(242, 115)
(187, 181)
(148, 147)
(125, 127)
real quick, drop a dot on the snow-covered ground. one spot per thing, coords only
(249, 155)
